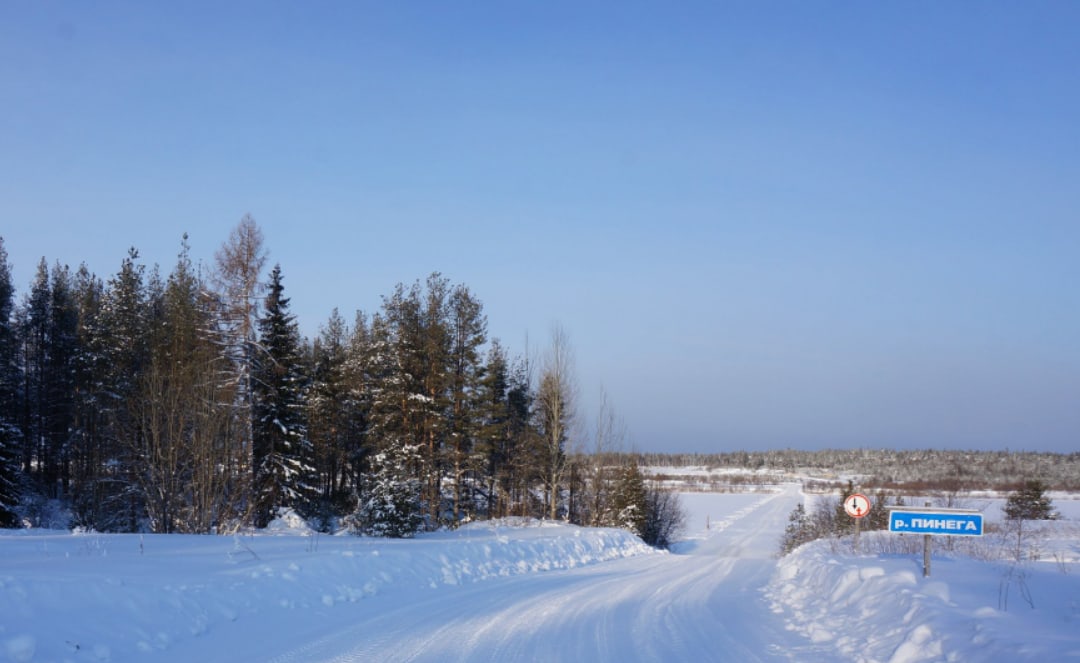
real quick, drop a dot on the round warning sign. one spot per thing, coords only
(857, 505)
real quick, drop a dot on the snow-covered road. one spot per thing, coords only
(701, 603)
(530, 591)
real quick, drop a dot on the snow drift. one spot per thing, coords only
(91, 597)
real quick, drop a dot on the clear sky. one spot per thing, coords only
(761, 224)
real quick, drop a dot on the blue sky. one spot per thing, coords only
(762, 224)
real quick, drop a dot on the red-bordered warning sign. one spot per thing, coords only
(857, 505)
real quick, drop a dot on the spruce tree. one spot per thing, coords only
(391, 506)
(629, 502)
(10, 435)
(799, 530)
(494, 433)
(282, 455)
(1029, 503)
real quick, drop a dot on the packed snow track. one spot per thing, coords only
(703, 602)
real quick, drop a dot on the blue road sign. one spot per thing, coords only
(952, 523)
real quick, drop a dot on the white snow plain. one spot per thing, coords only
(523, 591)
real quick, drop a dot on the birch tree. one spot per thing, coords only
(240, 262)
(556, 401)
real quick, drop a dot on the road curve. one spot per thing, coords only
(702, 603)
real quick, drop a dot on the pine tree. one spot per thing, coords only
(410, 381)
(468, 332)
(10, 435)
(328, 408)
(282, 449)
(89, 438)
(125, 331)
(49, 322)
(60, 393)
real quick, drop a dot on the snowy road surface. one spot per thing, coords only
(531, 591)
(702, 603)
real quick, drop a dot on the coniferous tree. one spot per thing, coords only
(524, 446)
(799, 530)
(843, 523)
(494, 433)
(48, 323)
(391, 505)
(878, 518)
(629, 502)
(1029, 503)
(126, 325)
(410, 381)
(468, 333)
(34, 332)
(329, 406)
(62, 353)
(89, 435)
(428, 361)
(10, 435)
(282, 449)
(360, 358)
(664, 516)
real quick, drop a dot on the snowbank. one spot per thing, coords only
(93, 597)
(880, 608)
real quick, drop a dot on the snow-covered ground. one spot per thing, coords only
(524, 591)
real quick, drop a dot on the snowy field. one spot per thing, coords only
(529, 591)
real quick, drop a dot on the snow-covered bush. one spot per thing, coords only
(391, 506)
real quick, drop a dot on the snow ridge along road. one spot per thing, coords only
(703, 602)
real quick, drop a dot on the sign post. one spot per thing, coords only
(929, 521)
(857, 506)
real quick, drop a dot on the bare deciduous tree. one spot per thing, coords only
(238, 279)
(556, 400)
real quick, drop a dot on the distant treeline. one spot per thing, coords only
(912, 470)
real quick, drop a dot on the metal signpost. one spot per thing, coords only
(857, 506)
(930, 521)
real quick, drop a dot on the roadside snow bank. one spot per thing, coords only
(95, 597)
(880, 608)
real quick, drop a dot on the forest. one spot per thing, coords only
(189, 402)
(899, 471)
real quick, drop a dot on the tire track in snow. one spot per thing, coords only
(705, 605)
